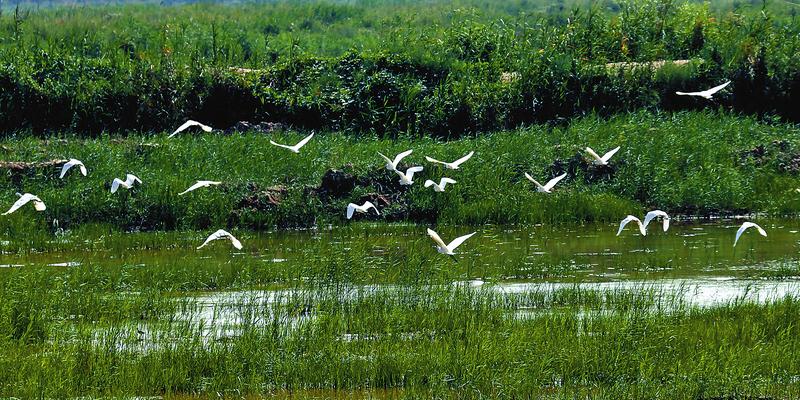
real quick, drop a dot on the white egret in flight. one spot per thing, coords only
(707, 94)
(391, 165)
(198, 185)
(547, 188)
(188, 124)
(71, 163)
(128, 183)
(352, 207)
(744, 227)
(222, 234)
(38, 204)
(453, 165)
(448, 249)
(440, 186)
(407, 177)
(604, 159)
(295, 148)
(631, 218)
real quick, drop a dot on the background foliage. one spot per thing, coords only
(387, 67)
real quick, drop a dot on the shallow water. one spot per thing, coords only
(537, 253)
(693, 264)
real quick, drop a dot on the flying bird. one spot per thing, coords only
(188, 124)
(352, 207)
(601, 160)
(656, 214)
(71, 163)
(453, 165)
(222, 234)
(707, 94)
(448, 249)
(630, 218)
(391, 165)
(38, 204)
(295, 148)
(439, 187)
(407, 178)
(198, 185)
(547, 188)
(744, 227)
(128, 183)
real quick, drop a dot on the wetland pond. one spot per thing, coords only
(216, 291)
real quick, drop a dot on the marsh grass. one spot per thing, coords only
(443, 340)
(689, 163)
(346, 312)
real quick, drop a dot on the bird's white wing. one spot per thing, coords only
(368, 204)
(281, 145)
(222, 234)
(351, 208)
(429, 183)
(444, 181)
(744, 227)
(130, 179)
(303, 142)
(66, 168)
(457, 241)
(24, 199)
(388, 161)
(400, 156)
(628, 219)
(530, 178)
(553, 181)
(82, 167)
(651, 215)
(593, 154)
(461, 160)
(236, 243)
(182, 127)
(411, 171)
(436, 238)
(115, 184)
(715, 89)
(610, 154)
(197, 185)
(433, 160)
(740, 231)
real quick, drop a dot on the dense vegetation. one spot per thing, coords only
(320, 325)
(685, 163)
(376, 67)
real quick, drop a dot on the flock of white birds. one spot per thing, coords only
(406, 179)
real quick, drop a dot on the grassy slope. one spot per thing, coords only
(696, 163)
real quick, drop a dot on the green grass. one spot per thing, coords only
(427, 68)
(687, 163)
(71, 339)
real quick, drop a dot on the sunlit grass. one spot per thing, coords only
(690, 163)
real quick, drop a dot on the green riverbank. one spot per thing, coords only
(686, 163)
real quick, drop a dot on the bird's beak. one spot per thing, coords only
(455, 260)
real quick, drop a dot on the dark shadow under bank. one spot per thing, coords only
(463, 72)
(387, 95)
